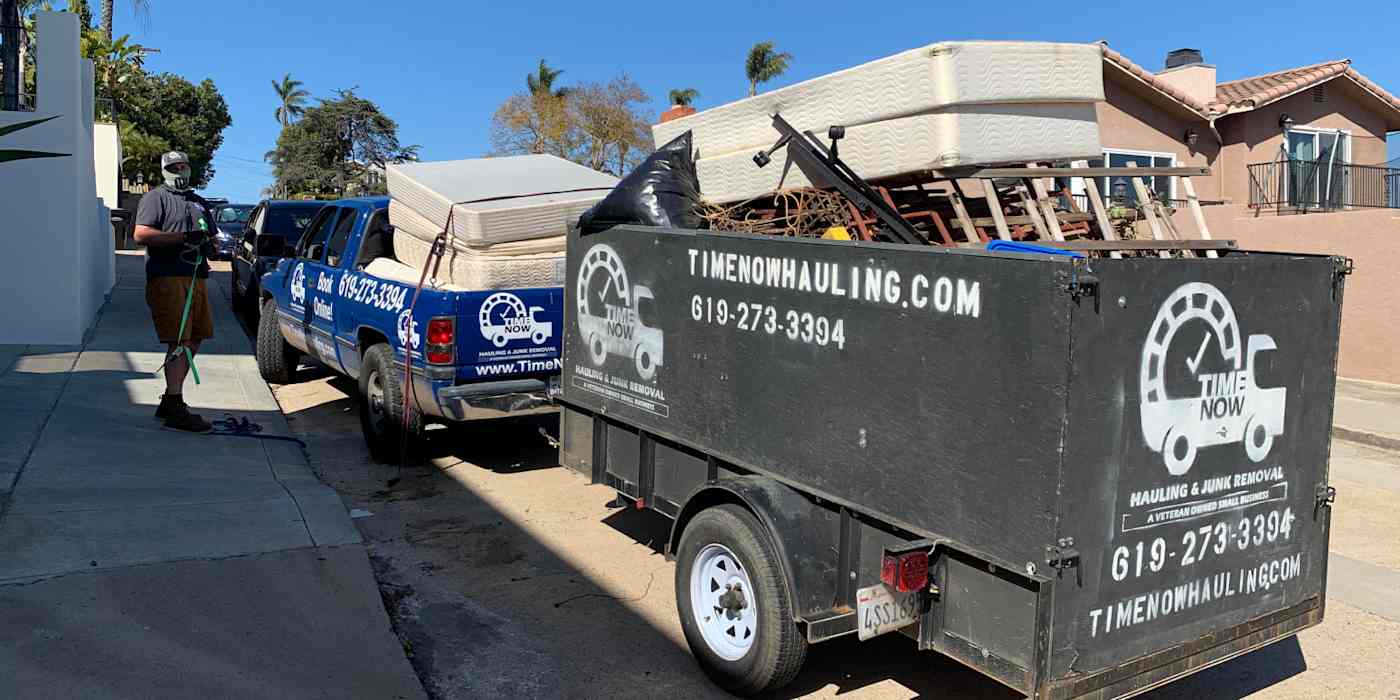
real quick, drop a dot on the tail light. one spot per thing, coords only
(440, 349)
(905, 572)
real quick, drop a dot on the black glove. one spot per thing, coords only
(196, 237)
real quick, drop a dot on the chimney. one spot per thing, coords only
(676, 112)
(1188, 72)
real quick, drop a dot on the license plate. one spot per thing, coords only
(882, 610)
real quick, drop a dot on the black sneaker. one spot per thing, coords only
(178, 417)
(166, 402)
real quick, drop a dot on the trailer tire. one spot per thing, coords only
(728, 541)
(277, 359)
(381, 407)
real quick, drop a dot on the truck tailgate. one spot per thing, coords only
(1194, 473)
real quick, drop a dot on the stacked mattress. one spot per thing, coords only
(506, 218)
(940, 106)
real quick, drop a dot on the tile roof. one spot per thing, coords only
(1248, 93)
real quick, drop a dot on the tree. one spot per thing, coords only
(683, 97)
(189, 117)
(291, 99)
(140, 8)
(114, 65)
(615, 134)
(338, 147)
(764, 64)
(542, 81)
(600, 125)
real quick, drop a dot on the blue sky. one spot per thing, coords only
(440, 68)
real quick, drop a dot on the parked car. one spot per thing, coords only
(229, 220)
(271, 229)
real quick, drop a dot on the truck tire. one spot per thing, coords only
(734, 605)
(277, 359)
(381, 407)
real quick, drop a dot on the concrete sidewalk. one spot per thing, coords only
(141, 562)
(1368, 413)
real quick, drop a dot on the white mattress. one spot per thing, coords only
(493, 200)
(408, 222)
(391, 269)
(485, 269)
(932, 77)
(984, 135)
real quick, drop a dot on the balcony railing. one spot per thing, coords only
(1320, 185)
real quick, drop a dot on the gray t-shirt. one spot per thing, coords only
(173, 212)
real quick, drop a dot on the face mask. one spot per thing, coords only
(176, 181)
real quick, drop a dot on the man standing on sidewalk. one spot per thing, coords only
(174, 224)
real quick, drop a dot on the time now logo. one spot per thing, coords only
(608, 316)
(1229, 405)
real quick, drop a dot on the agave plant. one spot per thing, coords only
(7, 155)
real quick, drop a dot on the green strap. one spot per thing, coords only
(185, 317)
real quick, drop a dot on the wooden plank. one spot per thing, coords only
(1100, 212)
(960, 208)
(977, 172)
(1033, 212)
(1194, 203)
(989, 190)
(1047, 209)
(1146, 204)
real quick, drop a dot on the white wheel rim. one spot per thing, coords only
(722, 602)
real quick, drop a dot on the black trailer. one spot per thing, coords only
(1081, 476)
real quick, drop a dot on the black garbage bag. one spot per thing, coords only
(662, 191)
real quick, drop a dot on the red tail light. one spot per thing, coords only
(905, 572)
(440, 348)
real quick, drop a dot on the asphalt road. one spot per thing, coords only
(506, 575)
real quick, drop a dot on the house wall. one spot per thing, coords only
(1371, 238)
(1255, 136)
(57, 242)
(1130, 121)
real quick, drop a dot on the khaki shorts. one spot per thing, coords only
(166, 297)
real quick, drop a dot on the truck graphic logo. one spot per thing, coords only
(299, 284)
(608, 317)
(407, 330)
(513, 322)
(1224, 406)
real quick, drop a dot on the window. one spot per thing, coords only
(1317, 160)
(234, 214)
(336, 246)
(378, 241)
(251, 230)
(289, 220)
(1119, 188)
(318, 232)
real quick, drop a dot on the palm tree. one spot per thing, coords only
(683, 97)
(292, 98)
(140, 8)
(542, 81)
(764, 64)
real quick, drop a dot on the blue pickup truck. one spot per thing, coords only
(475, 354)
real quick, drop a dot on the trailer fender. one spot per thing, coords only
(806, 535)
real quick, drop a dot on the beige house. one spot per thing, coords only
(1297, 163)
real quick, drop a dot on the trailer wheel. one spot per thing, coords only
(381, 406)
(733, 603)
(1257, 440)
(277, 359)
(1178, 451)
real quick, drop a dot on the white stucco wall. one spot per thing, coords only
(58, 240)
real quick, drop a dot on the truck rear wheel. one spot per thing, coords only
(733, 603)
(381, 407)
(277, 359)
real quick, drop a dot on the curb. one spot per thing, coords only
(1363, 437)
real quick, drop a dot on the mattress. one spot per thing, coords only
(488, 269)
(494, 200)
(410, 223)
(938, 76)
(982, 135)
